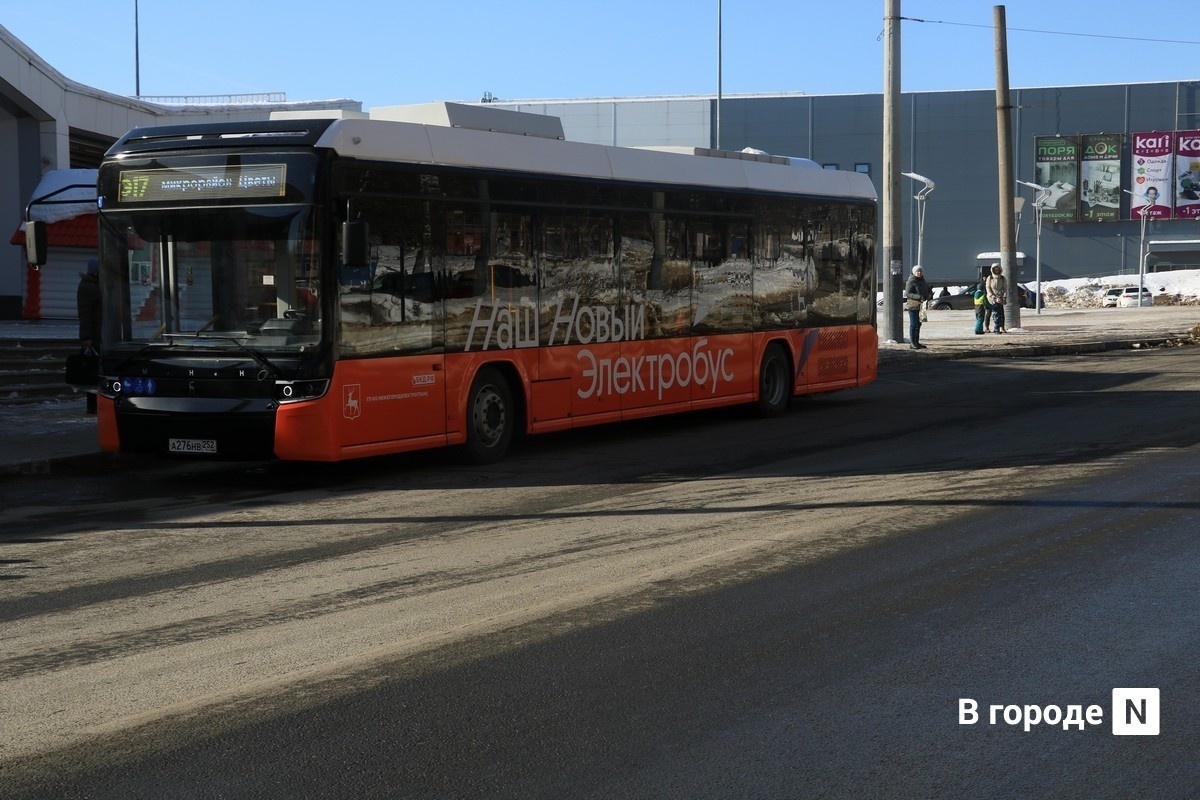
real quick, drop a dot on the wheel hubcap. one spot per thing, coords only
(489, 416)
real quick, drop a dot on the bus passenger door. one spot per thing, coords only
(392, 377)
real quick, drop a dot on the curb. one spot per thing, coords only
(79, 464)
(1033, 350)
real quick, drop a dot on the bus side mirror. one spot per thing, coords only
(35, 243)
(356, 244)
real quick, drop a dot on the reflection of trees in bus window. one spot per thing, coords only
(656, 274)
(838, 274)
(861, 280)
(722, 293)
(397, 307)
(785, 274)
(511, 270)
(577, 253)
(491, 278)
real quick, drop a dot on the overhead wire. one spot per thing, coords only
(1053, 33)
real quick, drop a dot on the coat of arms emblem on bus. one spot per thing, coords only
(351, 409)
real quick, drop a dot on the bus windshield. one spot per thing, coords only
(230, 276)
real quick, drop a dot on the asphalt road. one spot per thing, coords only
(710, 606)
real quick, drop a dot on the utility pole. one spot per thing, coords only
(893, 242)
(1008, 236)
(137, 54)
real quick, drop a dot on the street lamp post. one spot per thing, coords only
(1039, 204)
(1141, 249)
(920, 198)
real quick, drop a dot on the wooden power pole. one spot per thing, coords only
(893, 241)
(1008, 236)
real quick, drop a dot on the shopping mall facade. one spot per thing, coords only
(1096, 148)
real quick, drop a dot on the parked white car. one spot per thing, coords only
(1111, 297)
(1129, 297)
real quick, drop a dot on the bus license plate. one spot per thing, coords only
(192, 445)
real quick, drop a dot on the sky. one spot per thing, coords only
(395, 52)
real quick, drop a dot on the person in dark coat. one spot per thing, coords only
(916, 293)
(87, 301)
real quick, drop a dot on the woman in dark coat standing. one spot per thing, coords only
(916, 292)
(87, 301)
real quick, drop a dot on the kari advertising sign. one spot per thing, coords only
(1187, 175)
(1100, 178)
(1057, 164)
(1151, 158)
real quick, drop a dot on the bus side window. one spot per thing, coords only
(390, 306)
(722, 286)
(652, 273)
(578, 258)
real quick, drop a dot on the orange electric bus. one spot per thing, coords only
(319, 289)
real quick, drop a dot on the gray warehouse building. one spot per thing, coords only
(51, 123)
(949, 137)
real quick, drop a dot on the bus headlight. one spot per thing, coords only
(295, 391)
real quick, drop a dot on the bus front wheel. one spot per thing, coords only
(774, 381)
(491, 417)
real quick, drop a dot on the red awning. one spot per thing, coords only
(78, 231)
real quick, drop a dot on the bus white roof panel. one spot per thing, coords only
(386, 141)
(509, 152)
(483, 118)
(631, 164)
(463, 147)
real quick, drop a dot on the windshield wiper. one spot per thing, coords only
(208, 324)
(258, 357)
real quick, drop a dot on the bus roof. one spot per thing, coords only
(459, 146)
(995, 256)
(460, 135)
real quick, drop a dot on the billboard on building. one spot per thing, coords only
(1100, 178)
(1151, 157)
(1187, 175)
(1057, 164)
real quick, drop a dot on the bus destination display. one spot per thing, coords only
(202, 183)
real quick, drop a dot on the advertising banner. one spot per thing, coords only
(1100, 178)
(1057, 164)
(1151, 156)
(1187, 175)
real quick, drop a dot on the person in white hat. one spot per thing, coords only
(916, 292)
(997, 295)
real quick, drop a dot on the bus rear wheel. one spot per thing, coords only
(774, 382)
(491, 417)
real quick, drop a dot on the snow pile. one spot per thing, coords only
(1176, 287)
